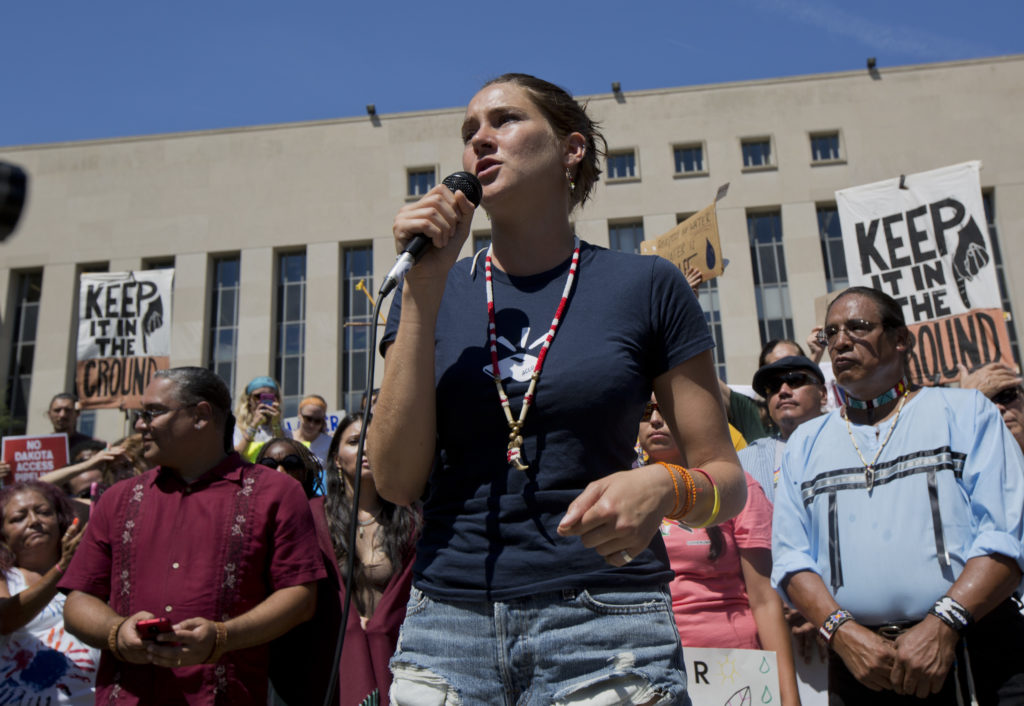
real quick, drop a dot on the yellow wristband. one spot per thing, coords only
(716, 504)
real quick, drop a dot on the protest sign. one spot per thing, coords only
(923, 240)
(694, 242)
(725, 677)
(124, 335)
(33, 456)
(976, 338)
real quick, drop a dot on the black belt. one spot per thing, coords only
(890, 631)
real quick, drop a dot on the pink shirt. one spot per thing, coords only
(709, 598)
(212, 549)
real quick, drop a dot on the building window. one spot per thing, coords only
(707, 295)
(757, 153)
(689, 159)
(158, 263)
(28, 287)
(825, 147)
(622, 165)
(832, 252)
(481, 241)
(626, 236)
(988, 198)
(771, 287)
(420, 181)
(223, 347)
(358, 317)
(291, 329)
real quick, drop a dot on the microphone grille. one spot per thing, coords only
(466, 183)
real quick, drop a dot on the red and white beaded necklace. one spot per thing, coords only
(515, 437)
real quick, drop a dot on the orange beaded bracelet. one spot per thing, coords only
(690, 487)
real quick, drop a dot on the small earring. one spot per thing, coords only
(568, 178)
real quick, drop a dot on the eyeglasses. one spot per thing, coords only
(649, 409)
(311, 420)
(1007, 396)
(291, 462)
(794, 379)
(147, 416)
(854, 328)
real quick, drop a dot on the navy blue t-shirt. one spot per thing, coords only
(489, 529)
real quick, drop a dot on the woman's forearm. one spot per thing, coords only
(18, 611)
(404, 436)
(688, 396)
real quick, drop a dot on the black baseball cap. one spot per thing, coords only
(784, 365)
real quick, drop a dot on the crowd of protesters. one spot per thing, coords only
(529, 538)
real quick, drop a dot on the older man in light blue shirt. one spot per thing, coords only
(898, 526)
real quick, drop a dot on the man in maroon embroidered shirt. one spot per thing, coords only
(225, 550)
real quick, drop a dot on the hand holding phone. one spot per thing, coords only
(149, 629)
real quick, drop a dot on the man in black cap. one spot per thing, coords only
(794, 390)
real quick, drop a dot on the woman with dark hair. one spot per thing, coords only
(779, 348)
(512, 385)
(292, 457)
(42, 662)
(722, 594)
(385, 548)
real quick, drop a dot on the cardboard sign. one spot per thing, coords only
(124, 335)
(33, 456)
(724, 677)
(976, 338)
(693, 243)
(923, 240)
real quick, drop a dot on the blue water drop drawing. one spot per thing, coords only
(710, 255)
(766, 696)
(764, 668)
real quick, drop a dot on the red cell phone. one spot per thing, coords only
(149, 629)
(268, 399)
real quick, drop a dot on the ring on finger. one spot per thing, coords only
(626, 556)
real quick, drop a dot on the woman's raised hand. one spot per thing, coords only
(442, 216)
(69, 543)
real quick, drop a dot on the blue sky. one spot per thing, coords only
(75, 70)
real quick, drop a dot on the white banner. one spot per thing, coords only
(124, 335)
(923, 240)
(724, 677)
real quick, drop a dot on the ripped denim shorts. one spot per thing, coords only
(591, 647)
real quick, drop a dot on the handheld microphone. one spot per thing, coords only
(459, 181)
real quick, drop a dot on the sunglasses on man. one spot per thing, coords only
(793, 378)
(1007, 396)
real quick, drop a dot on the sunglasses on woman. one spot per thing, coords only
(649, 409)
(291, 462)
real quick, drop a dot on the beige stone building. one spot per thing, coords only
(270, 228)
